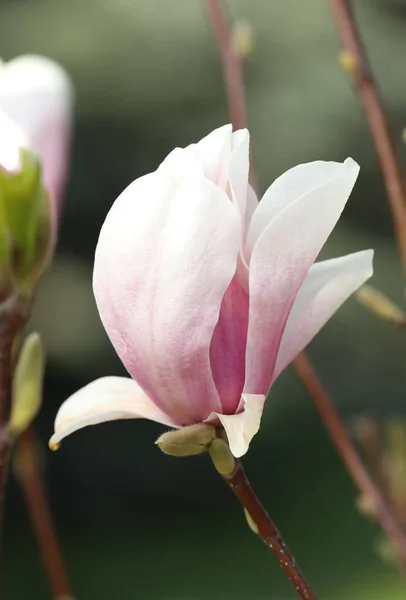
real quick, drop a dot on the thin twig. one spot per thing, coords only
(29, 474)
(379, 507)
(232, 69)
(13, 316)
(376, 116)
(267, 530)
(231, 64)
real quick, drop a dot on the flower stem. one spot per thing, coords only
(28, 470)
(13, 316)
(267, 530)
(376, 116)
(381, 508)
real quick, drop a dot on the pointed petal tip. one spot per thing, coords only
(105, 399)
(54, 444)
(241, 428)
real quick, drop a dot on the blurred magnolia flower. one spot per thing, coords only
(207, 295)
(36, 93)
(35, 112)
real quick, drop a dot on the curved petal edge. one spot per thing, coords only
(105, 399)
(242, 427)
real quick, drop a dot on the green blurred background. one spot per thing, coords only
(134, 523)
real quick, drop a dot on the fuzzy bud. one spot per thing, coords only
(187, 441)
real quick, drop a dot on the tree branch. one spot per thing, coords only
(29, 474)
(375, 113)
(267, 530)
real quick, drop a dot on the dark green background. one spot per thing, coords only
(134, 523)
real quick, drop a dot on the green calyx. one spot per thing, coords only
(25, 225)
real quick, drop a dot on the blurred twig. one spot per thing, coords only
(355, 61)
(380, 508)
(13, 316)
(323, 403)
(29, 474)
(231, 62)
(261, 523)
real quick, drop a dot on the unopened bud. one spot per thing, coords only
(25, 223)
(27, 385)
(221, 456)
(187, 441)
(242, 38)
(380, 304)
(251, 523)
(348, 62)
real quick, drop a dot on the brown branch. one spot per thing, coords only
(231, 68)
(267, 530)
(231, 64)
(380, 508)
(13, 316)
(376, 116)
(29, 474)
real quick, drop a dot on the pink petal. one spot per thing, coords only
(280, 260)
(228, 344)
(166, 255)
(12, 141)
(37, 94)
(238, 167)
(327, 285)
(241, 428)
(106, 399)
(290, 186)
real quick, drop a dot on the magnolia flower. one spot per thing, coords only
(207, 295)
(36, 93)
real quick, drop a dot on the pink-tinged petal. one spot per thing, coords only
(37, 94)
(280, 260)
(290, 186)
(327, 285)
(241, 428)
(106, 399)
(214, 150)
(227, 348)
(238, 168)
(166, 255)
(182, 162)
(12, 141)
(252, 205)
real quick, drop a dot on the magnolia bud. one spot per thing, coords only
(27, 385)
(221, 456)
(251, 523)
(188, 441)
(25, 212)
(25, 230)
(380, 304)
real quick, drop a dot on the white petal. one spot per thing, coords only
(290, 186)
(238, 167)
(252, 205)
(327, 285)
(280, 260)
(214, 150)
(106, 399)
(12, 141)
(242, 427)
